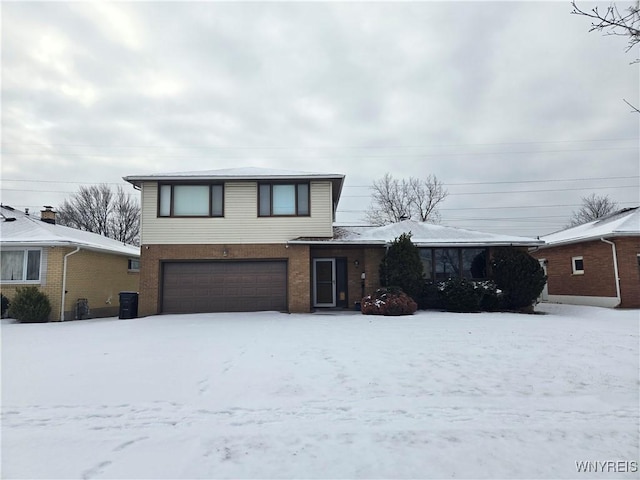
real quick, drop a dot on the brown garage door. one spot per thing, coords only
(199, 287)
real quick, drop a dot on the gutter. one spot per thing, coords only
(615, 269)
(64, 281)
(595, 238)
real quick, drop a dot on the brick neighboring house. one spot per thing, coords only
(597, 263)
(83, 271)
(251, 239)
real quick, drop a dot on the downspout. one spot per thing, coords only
(615, 269)
(64, 281)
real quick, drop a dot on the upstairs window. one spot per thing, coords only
(21, 266)
(283, 199)
(577, 265)
(182, 200)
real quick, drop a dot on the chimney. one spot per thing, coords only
(48, 215)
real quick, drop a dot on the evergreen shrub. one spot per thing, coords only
(5, 305)
(491, 298)
(30, 305)
(431, 296)
(519, 276)
(402, 267)
(461, 295)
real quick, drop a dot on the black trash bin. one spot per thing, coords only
(128, 305)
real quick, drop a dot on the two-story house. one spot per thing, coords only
(219, 240)
(251, 239)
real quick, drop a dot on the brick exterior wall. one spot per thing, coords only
(96, 276)
(298, 269)
(598, 279)
(368, 258)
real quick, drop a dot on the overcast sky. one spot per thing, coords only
(515, 106)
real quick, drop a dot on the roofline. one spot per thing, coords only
(382, 243)
(137, 179)
(590, 238)
(62, 243)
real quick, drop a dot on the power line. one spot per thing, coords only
(367, 196)
(528, 207)
(523, 191)
(335, 157)
(321, 147)
(521, 181)
(369, 186)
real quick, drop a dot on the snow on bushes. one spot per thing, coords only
(388, 301)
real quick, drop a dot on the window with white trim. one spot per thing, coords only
(21, 265)
(187, 200)
(577, 265)
(283, 199)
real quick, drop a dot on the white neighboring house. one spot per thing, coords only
(81, 272)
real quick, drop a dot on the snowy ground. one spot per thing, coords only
(267, 395)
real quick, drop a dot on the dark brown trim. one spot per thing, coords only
(199, 184)
(296, 200)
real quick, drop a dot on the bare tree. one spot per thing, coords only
(393, 200)
(614, 22)
(593, 207)
(125, 219)
(97, 209)
(426, 195)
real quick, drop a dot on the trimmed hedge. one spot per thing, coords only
(461, 295)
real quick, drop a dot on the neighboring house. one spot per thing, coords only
(597, 263)
(82, 273)
(252, 239)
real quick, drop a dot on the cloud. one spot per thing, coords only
(477, 93)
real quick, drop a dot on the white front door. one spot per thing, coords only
(324, 282)
(544, 295)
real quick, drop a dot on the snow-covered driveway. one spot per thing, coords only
(267, 395)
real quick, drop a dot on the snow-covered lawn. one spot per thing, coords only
(268, 395)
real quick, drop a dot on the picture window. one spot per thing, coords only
(185, 200)
(283, 199)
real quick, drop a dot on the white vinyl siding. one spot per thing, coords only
(241, 223)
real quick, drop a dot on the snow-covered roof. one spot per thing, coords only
(243, 173)
(29, 231)
(423, 235)
(623, 223)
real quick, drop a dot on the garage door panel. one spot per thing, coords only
(229, 286)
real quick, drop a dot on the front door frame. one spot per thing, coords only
(544, 294)
(333, 282)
